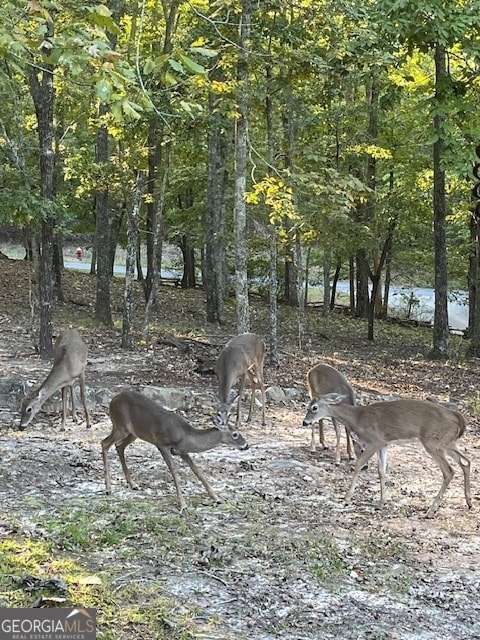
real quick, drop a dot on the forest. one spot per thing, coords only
(278, 145)
(267, 140)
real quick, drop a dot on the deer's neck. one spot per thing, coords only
(199, 440)
(345, 413)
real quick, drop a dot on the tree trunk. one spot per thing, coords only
(157, 239)
(291, 276)
(473, 331)
(43, 94)
(188, 276)
(273, 286)
(239, 204)
(214, 279)
(440, 321)
(103, 313)
(155, 138)
(336, 277)
(327, 265)
(301, 306)
(132, 240)
(352, 280)
(362, 298)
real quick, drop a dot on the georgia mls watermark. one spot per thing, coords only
(48, 624)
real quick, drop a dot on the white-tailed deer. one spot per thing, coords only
(69, 361)
(133, 416)
(321, 380)
(381, 423)
(242, 356)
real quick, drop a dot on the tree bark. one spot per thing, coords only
(273, 286)
(440, 322)
(103, 313)
(132, 240)
(157, 240)
(240, 207)
(43, 94)
(217, 175)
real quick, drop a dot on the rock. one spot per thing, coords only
(12, 391)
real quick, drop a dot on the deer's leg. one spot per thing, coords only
(84, 399)
(167, 456)
(120, 447)
(337, 447)
(312, 439)
(321, 435)
(382, 472)
(211, 492)
(350, 453)
(363, 459)
(465, 466)
(261, 384)
(447, 472)
(240, 393)
(72, 398)
(253, 385)
(64, 407)
(106, 444)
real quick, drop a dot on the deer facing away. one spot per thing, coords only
(242, 356)
(321, 380)
(135, 416)
(69, 362)
(378, 424)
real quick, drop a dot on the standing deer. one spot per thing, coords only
(135, 416)
(242, 356)
(378, 424)
(321, 380)
(69, 361)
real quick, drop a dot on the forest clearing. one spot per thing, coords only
(282, 556)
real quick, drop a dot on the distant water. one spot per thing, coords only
(422, 309)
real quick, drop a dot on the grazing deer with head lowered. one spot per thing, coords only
(242, 356)
(321, 380)
(135, 416)
(69, 362)
(378, 424)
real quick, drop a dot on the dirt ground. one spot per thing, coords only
(282, 556)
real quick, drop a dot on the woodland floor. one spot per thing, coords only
(282, 556)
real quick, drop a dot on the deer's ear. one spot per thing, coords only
(334, 398)
(42, 394)
(234, 401)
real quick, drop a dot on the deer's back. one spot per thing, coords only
(408, 419)
(323, 379)
(238, 355)
(71, 351)
(133, 412)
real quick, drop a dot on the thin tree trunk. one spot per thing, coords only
(132, 240)
(300, 284)
(327, 265)
(240, 208)
(214, 275)
(272, 230)
(440, 322)
(103, 313)
(156, 239)
(43, 94)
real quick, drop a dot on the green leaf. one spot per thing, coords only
(169, 79)
(176, 66)
(192, 65)
(116, 110)
(103, 89)
(130, 109)
(149, 66)
(209, 53)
